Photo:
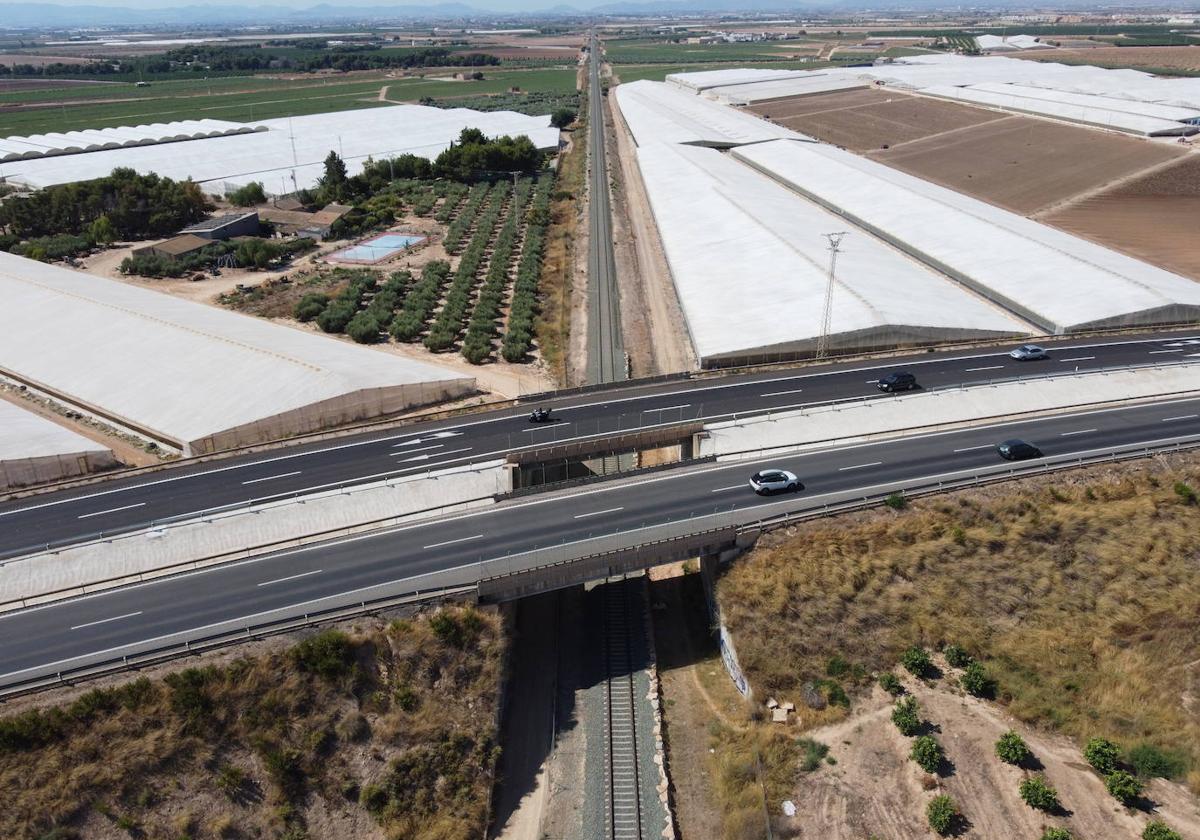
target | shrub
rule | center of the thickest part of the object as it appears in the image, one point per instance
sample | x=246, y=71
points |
x=813, y=753
x=310, y=306
x=1012, y=749
x=916, y=661
x=1036, y=793
x=1186, y=494
x=230, y=780
x=942, y=814
x=1158, y=830
x=1102, y=754
x=956, y=656
x=562, y=117
x=373, y=798
x=890, y=683
x=1124, y=787
x=896, y=501
x=837, y=667
x=1053, y=833
x=1150, y=762
x=363, y=328
x=906, y=716
x=329, y=654
x=927, y=753
x=976, y=681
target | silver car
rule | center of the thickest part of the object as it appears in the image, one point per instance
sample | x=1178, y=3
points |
x=774, y=481
x=1029, y=353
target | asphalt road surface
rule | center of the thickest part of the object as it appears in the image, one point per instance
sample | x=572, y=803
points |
x=606, y=348
x=120, y=505
x=519, y=534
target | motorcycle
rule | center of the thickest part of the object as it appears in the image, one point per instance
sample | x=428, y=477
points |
x=539, y=415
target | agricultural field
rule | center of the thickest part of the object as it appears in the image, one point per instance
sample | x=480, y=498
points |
x=1153, y=218
x=655, y=52
x=866, y=119
x=228, y=99
x=658, y=72
x=369, y=730
x=911, y=638
x=1166, y=61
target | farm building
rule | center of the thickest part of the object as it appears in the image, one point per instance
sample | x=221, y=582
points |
x=34, y=449
x=287, y=154
x=189, y=375
x=225, y=227
x=173, y=248
x=1049, y=278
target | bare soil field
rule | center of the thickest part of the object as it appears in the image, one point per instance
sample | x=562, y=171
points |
x=862, y=120
x=1156, y=218
x=12, y=85
x=38, y=60
x=1025, y=164
x=1176, y=58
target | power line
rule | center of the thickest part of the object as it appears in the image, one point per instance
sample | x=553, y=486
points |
x=835, y=243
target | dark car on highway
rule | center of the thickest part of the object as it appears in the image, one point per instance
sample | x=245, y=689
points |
x=900, y=380
x=1018, y=450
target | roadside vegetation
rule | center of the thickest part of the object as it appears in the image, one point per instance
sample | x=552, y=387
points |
x=391, y=726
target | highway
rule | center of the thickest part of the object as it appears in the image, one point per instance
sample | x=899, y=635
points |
x=528, y=533
x=124, y=504
x=605, y=346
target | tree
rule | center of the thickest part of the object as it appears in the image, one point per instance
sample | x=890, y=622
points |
x=927, y=753
x=310, y=306
x=1012, y=749
x=562, y=117
x=1037, y=793
x=956, y=656
x=1054, y=833
x=1124, y=787
x=334, y=180
x=256, y=253
x=248, y=195
x=906, y=716
x=101, y=231
x=976, y=681
x=1102, y=754
x=942, y=813
x=1158, y=830
x=916, y=661
x=890, y=683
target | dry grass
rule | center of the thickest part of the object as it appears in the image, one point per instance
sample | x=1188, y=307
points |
x=1078, y=593
x=279, y=745
x=554, y=323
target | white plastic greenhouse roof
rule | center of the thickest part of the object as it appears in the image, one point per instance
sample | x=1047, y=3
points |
x=183, y=370
x=1090, y=116
x=1057, y=281
x=661, y=113
x=1009, y=42
x=922, y=71
x=290, y=154
x=92, y=140
x=749, y=262
x=1087, y=100
x=781, y=88
x=29, y=435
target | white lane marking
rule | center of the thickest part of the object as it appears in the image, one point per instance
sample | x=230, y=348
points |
x=446, y=434
x=730, y=487
x=272, y=477
x=1078, y=432
x=860, y=466
x=452, y=542
x=106, y=620
x=1077, y=359
x=668, y=408
x=289, y=577
x=989, y=367
x=598, y=512
x=973, y=448
x=872, y=381
x=1152, y=352
x=429, y=455
x=418, y=449
x=1180, y=417
x=781, y=393
x=110, y=510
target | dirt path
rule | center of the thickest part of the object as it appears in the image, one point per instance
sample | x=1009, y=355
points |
x=656, y=332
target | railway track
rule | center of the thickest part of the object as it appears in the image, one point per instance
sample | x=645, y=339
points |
x=624, y=817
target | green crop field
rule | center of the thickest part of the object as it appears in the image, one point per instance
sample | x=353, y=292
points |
x=641, y=52
x=658, y=72
x=167, y=102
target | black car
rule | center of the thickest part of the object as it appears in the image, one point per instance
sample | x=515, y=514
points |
x=1018, y=450
x=899, y=380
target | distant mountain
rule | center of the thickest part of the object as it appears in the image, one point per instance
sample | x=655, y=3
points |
x=51, y=15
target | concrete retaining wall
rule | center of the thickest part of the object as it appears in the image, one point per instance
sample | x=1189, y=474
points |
x=856, y=421
x=234, y=534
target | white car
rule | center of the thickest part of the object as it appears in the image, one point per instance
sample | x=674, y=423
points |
x=774, y=481
x=1029, y=353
